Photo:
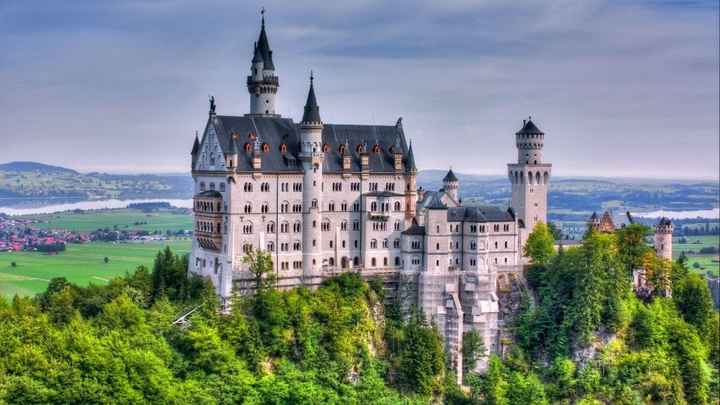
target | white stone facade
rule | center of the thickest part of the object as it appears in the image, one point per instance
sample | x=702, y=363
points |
x=323, y=199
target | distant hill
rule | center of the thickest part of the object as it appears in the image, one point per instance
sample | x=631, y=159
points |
x=32, y=181
x=34, y=167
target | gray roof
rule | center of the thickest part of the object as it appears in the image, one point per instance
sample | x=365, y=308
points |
x=450, y=177
x=436, y=203
x=276, y=131
x=414, y=229
x=196, y=145
x=264, y=47
x=530, y=128
x=312, y=110
x=664, y=221
x=410, y=163
x=482, y=213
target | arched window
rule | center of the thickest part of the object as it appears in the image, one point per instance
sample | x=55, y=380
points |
x=537, y=177
x=397, y=206
x=283, y=148
x=222, y=186
x=248, y=207
x=341, y=149
x=360, y=148
x=373, y=206
x=270, y=227
x=356, y=261
x=376, y=148
x=326, y=148
x=373, y=244
x=373, y=263
x=397, y=261
x=265, y=148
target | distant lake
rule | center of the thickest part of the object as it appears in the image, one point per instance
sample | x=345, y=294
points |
x=91, y=205
x=691, y=214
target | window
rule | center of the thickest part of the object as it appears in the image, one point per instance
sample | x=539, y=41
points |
x=356, y=207
x=248, y=208
x=212, y=186
x=343, y=206
x=355, y=243
x=337, y=187
x=343, y=226
x=473, y=245
x=415, y=244
x=397, y=225
x=356, y=226
x=202, y=186
x=284, y=207
x=270, y=247
x=373, y=244
x=296, y=227
x=385, y=243
x=397, y=261
x=373, y=186
x=396, y=243
x=265, y=187
x=297, y=207
x=284, y=246
x=314, y=203
x=506, y=227
x=354, y=186
x=325, y=226
x=373, y=206
x=506, y=244
x=264, y=208
x=284, y=227
x=296, y=245
x=297, y=187
x=437, y=246
x=331, y=206
x=385, y=261
x=330, y=244
x=389, y=186
x=397, y=206
x=247, y=187
x=496, y=245
x=373, y=263
x=222, y=186
x=270, y=227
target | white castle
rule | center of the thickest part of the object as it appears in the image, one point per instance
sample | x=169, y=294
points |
x=323, y=199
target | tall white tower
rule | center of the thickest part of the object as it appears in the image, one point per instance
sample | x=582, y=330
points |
x=663, y=238
x=262, y=83
x=311, y=155
x=530, y=178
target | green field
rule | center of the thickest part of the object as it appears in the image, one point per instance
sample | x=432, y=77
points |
x=81, y=264
x=120, y=219
x=706, y=263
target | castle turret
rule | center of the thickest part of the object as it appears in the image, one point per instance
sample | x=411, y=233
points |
x=451, y=184
x=530, y=178
x=411, y=194
x=262, y=83
x=663, y=238
x=311, y=154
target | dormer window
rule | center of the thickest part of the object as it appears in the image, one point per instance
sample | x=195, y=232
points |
x=360, y=149
x=283, y=148
x=252, y=136
x=247, y=147
x=376, y=148
x=265, y=148
x=326, y=148
x=341, y=149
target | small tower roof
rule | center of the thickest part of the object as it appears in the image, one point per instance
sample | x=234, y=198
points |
x=263, y=46
x=664, y=221
x=410, y=164
x=196, y=145
x=450, y=177
x=312, y=110
x=529, y=128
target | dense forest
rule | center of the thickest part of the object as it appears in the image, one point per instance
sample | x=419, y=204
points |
x=581, y=336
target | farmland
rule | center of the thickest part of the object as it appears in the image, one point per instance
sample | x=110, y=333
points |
x=702, y=263
x=80, y=263
x=119, y=219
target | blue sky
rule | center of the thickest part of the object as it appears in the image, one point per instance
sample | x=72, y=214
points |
x=621, y=88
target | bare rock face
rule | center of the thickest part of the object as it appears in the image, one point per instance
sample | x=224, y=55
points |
x=583, y=355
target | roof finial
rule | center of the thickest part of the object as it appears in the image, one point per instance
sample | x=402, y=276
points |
x=262, y=14
x=212, y=105
x=312, y=77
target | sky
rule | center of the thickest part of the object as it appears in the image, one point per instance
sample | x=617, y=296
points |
x=621, y=88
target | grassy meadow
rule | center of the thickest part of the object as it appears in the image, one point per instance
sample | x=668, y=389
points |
x=706, y=263
x=81, y=264
x=120, y=219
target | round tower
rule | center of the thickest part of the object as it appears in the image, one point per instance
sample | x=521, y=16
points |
x=663, y=238
x=262, y=83
x=530, y=178
x=311, y=155
x=451, y=184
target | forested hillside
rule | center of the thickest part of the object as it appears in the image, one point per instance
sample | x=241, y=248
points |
x=580, y=336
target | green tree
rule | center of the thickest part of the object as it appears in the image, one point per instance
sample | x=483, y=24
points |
x=261, y=266
x=473, y=349
x=422, y=359
x=540, y=244
x=694, y=301
x=632, y=247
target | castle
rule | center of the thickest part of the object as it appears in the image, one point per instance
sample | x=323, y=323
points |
x=325, y=198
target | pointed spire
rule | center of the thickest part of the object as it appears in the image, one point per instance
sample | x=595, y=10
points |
x=312, y=110
x=410, y=164
x=450, y=177
x=257, y=56
x=263, y=46
x=196, y=145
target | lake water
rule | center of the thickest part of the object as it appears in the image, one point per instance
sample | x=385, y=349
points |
x=91, y=205
x=692, y=214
